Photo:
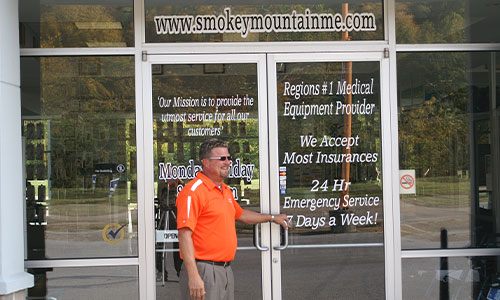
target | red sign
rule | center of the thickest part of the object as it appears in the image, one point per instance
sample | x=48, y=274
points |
x=407, y=181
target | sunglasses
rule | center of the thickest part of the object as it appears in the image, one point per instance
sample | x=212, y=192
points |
x=221, y=158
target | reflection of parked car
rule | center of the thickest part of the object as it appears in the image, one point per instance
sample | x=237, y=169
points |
x=166, y=219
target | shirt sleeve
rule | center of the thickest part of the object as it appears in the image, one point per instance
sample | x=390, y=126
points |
x=237, y=210
x=188, y=208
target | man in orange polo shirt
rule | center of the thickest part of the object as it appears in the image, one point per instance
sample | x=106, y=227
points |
x=206, y=214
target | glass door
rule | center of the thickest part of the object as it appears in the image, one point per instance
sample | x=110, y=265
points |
x=327, y=174
x=194, y=98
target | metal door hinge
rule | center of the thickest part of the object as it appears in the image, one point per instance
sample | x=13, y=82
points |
x=144, y=56
x=386, y=53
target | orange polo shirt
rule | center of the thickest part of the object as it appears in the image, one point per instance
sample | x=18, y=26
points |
x=210, y=213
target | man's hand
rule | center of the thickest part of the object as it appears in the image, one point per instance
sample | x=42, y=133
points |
x=251, y=217
x=196, y=287
x=282, y=220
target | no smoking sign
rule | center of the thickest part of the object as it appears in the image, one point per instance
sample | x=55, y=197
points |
x=407, y=182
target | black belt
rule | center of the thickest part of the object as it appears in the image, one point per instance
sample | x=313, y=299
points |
x=216, y=263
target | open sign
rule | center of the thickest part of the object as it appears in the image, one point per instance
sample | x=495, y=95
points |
x=167, y=236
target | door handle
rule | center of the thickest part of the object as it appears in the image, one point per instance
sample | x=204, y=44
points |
x=256, y=238
x=285, y=245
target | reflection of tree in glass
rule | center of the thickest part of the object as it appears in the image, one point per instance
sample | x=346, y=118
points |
x=86, y=26
x=433, y=129
x=431, y=21
x=90, y=114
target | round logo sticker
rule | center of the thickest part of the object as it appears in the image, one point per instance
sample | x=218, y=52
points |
x=113, y=233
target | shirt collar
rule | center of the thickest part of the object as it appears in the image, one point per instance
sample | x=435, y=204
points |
x=209, y=183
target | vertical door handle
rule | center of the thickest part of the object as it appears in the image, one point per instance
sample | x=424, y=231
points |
x=285, y=245
x=256, y=238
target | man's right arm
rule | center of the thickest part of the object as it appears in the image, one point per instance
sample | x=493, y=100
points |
x=196, y=286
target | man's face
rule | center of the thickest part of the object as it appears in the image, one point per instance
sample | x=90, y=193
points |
x=214, y=168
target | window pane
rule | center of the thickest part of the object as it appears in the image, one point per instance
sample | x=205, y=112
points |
x=447, y=21
x=262, y=21
x=80, y=156
x=60, y=24
x=457, y=277
x=120, y=283
x=448, y=136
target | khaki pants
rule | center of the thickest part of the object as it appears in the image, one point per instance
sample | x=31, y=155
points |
x=218, y=280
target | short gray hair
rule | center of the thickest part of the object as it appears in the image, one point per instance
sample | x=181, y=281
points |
x=207, y=146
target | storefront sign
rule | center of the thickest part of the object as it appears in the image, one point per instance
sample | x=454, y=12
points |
x=329, y=126
x=214, y=102
x=168, y=171
x=167, y=236
x=244, y=24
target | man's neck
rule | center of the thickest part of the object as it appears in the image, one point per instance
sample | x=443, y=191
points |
x=217, y=183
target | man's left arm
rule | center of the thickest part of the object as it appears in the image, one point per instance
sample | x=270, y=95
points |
x=251, y=217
